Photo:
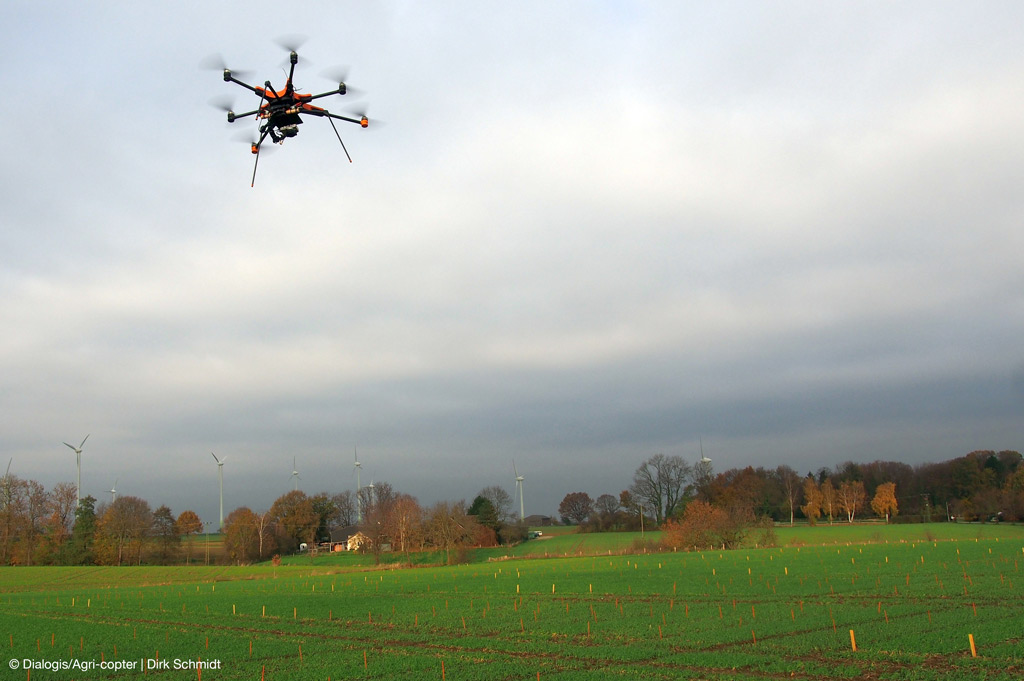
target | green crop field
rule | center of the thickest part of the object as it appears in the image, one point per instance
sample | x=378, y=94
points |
x=779, y=613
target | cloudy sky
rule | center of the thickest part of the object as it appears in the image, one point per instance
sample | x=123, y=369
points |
x=584, y=233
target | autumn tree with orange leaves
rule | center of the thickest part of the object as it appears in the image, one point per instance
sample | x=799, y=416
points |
x=884, y=501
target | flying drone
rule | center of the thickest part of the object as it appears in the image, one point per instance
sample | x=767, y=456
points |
x=279, y=112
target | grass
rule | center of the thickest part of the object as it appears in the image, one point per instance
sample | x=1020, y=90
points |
x=746, y=614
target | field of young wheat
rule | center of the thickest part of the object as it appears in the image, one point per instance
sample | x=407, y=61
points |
x=886, y=609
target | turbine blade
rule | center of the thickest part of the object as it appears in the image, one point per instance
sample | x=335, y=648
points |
x=72, y=446
x=215, y=457
x=83, y=441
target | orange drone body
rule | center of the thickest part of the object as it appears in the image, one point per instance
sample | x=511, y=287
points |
x=279, y=111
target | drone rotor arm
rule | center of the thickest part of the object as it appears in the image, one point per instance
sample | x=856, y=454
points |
x=317, y=111
x=244, y=115
x=289, y=88
x=340, y=90
x=231, y=79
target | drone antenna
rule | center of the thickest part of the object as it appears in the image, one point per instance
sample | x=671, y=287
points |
x=255, y=165
x=339, y=139
x=258, y=145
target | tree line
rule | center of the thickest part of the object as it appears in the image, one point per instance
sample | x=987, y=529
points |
x=982, y=485
x=44, y=527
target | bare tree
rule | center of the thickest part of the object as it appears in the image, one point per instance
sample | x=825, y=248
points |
x=12, y=508
x=344, y=509
x=377, y=504
x=122, y=529
x=241, y=539
x=789, y=480
x=661, y=485
x=404, y=522
x=851, y=497
x=262, y=522
x=448, y=527
x=37, y=504
x=188, y=524
x=501, y=501
x=607, y=507
x=166, y=534
x=63, y=500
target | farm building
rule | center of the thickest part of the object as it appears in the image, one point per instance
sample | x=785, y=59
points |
x=358, y=542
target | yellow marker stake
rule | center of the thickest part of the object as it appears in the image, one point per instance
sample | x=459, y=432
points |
x=974, y=651
x=853, y=641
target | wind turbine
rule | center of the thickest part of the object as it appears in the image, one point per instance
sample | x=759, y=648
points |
x=359, y=504
x=113, y=492
x=295, y=474
x=702, y=472
x=78, y=455
x=519, y=488
x=220, y=475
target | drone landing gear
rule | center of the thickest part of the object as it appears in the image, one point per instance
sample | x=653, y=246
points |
x=256, y=146
x=339, y=139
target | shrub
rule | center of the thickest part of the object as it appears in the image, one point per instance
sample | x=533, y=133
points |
x=702, y=526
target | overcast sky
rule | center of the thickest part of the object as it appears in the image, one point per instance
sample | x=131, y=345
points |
x=585, y=233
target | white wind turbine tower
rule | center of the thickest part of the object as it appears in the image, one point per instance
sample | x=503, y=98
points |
x=519, y=489
x=295, y=475
x=702, y=472
x=359, y=505
x=113, y=492
x=220, y=475
x=78, y=455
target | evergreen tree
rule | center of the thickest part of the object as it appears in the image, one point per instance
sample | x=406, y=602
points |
x=166, y=534
x=84, y=533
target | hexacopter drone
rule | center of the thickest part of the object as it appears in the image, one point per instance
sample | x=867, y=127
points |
x=279, y=110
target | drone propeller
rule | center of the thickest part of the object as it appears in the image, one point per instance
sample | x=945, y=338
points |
x=224, y=103
x=361, y=112
x=338, y=74
x=250, y=139
x=291, y=42
x=215, y=62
